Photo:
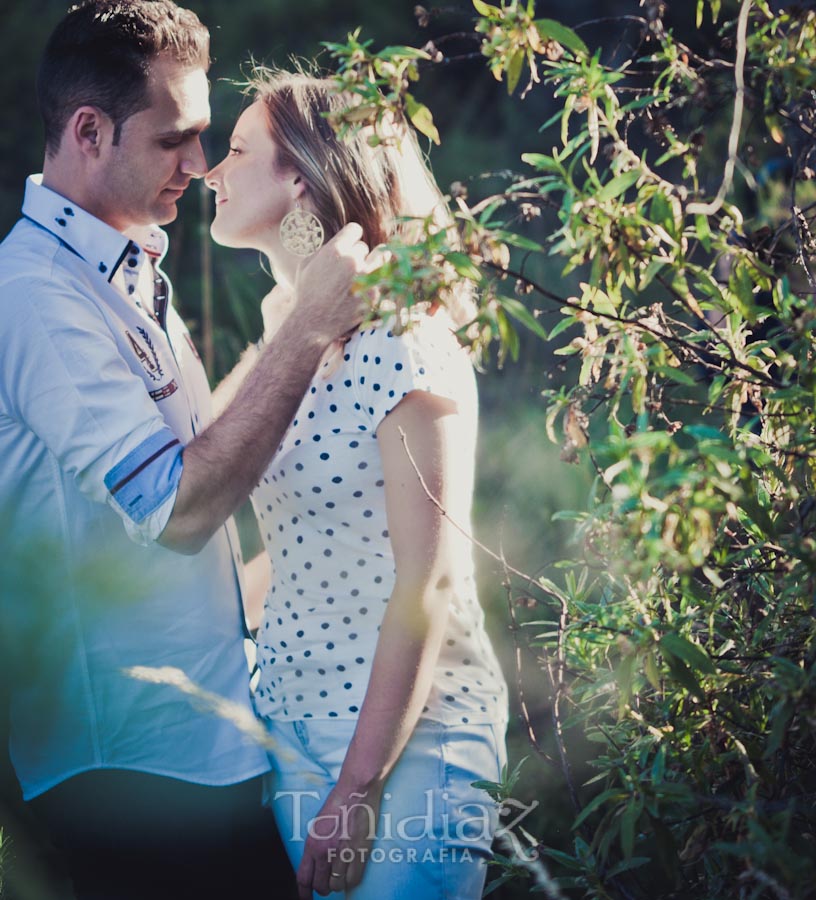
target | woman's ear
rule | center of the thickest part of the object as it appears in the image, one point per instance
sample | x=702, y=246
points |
x=298, y=187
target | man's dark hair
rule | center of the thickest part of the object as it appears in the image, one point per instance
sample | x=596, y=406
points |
x=100, y=55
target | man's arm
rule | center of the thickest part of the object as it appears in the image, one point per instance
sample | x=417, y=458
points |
x=275, y=307
x=224, y=463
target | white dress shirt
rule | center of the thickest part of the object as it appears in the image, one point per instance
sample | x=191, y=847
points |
x=100, y=389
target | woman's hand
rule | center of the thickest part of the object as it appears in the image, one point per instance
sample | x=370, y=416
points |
x=275, y=308
x=339, y=841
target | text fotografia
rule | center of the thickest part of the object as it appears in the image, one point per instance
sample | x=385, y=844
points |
x=472, y=822
x=400, y=854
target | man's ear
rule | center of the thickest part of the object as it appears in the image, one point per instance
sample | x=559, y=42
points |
x=89, y=129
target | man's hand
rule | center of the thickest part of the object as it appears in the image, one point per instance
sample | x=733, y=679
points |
x=224, y=462
x=339, y=842
x=323, y=299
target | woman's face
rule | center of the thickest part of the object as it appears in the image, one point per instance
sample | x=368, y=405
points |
x=251, y=196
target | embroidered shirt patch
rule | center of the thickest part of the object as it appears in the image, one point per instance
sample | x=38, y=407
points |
x=164, y=392
x=146, y=355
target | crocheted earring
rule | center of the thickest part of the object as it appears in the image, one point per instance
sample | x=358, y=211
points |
x=301, y=232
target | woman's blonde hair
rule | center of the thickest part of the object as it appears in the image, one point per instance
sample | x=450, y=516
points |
x=387, y=189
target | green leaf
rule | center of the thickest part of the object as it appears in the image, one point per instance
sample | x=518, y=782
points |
x=569, y=862
x=514, y=66
x=651, y=671
x=542, y=162
x=617, y=186
x=464, y=266
x=671, y=373
x=759, y=515
x=403, y=52
x=491, y=787
x=498, y=882
x=421, y=117
x=625, y=678
x=555, y=31
x=652, y=269
x=486, y=10
x=603, y=797
x=703, y=433
x=683, y=675
x=716, y=388
x=666, y=848
x=661, y=211
x=509, y=779
x=517, y=240
x=659, y=765
x=563, y=325
x=703, y=231
x=690, y=653
x=627, y=864
x=508, y=337
x=521, y=314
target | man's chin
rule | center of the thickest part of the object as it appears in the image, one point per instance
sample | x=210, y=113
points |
x=165, y=213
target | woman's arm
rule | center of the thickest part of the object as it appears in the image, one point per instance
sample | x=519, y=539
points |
x=411, y=632
x=257, y=578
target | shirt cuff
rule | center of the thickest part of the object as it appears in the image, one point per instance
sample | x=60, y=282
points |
x=142, y=487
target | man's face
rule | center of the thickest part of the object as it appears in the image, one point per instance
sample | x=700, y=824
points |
x=159, y=151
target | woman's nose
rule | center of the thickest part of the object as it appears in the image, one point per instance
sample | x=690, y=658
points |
x=213, y=177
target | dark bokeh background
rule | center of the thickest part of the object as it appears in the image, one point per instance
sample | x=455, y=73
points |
x=522, y=481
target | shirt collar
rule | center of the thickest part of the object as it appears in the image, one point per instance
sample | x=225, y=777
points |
x=98, y=244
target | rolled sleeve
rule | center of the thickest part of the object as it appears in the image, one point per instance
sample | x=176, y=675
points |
x=143, y=485
x=65, y=378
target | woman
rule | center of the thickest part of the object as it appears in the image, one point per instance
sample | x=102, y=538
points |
x=378, y=682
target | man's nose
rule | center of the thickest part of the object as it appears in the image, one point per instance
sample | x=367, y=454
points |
x=194, y=163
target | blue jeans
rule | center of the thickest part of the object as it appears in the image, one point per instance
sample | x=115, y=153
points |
x=434, y=831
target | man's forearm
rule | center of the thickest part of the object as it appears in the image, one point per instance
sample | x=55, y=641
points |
x=226, y=461
x=230, y=384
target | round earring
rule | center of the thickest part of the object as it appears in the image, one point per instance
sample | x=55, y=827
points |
x=301, y=232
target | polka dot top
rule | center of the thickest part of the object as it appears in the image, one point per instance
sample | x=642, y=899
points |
x=321, y=510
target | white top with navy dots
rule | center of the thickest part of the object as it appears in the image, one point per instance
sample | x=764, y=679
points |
x=321, y=509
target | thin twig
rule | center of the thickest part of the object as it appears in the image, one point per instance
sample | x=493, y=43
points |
x=532, y=736
x=800, y=224
x=557, y=685
x=463, y=531
x=709, y=209
x=797, y=122
x=556, y=713
x=695, y=350
x=605, y=19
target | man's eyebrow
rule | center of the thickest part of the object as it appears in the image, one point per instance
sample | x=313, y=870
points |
x=187, y=132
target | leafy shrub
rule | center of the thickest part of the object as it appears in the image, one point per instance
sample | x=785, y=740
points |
x=680, y=639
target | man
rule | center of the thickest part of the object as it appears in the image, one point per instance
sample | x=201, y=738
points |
x=110, y=469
